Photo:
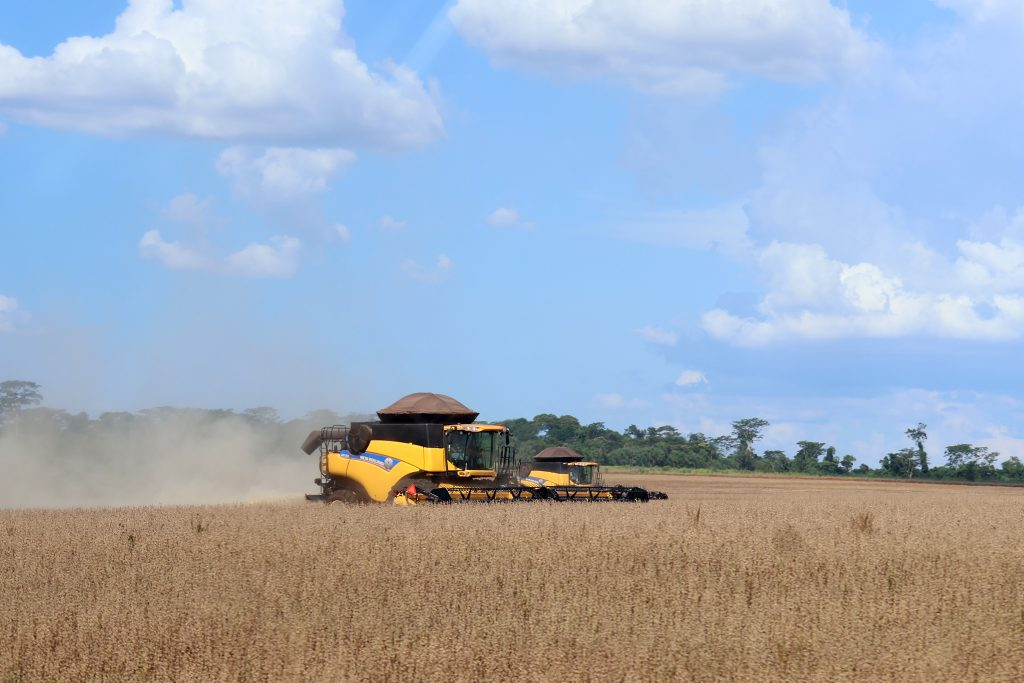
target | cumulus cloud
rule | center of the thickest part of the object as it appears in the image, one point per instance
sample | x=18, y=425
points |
x=423, y=273
x=389, y=223
x=616, y=401
x=8, y=311
x=610, y=401
x=281, y=173
x=173, y=255
x=889, y=167
x=689, y=378
x=277, y=259
x=343, y=233
x=986, y=10
x=812, y=296
x=865, y=223
x=674, y=46
x=719, y=228
x=656, y=335
x=269, y=71
x=285, y=184
x=507, y=218
x=188, y=209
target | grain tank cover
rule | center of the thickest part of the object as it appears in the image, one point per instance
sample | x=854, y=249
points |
x=427, y=407
x=558, y=454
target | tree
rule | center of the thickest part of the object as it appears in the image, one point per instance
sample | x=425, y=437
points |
x=745, y=433
x=971, y=462
x=749, y=430
x=806, y=459
x=264, y=415
x=903, y=463
x=1013, y=468
x=964, y=453
x=634, y=432
x=847, y=464
x=15, y=396
x=723, y=445
x=775, y=461
x=668, y=432
x=919, y=436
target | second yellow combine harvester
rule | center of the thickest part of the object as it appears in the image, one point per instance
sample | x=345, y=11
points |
x=427, y=448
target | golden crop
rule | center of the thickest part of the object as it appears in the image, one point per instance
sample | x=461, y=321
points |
x=730, y=579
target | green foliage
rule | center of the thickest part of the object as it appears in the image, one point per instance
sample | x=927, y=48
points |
x=1013, y=469
x=774, y=461
x=806, y=459
x=902, y=464
x=16, y=396
x=918, y=435
x=973, y=463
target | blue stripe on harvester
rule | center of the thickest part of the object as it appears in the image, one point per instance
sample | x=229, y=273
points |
x=384, y=462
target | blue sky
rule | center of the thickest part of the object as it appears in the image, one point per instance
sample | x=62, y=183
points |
x=641, y=212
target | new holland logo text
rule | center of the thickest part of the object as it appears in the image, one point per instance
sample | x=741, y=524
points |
x=382, y=461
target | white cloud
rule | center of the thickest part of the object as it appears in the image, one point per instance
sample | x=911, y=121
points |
x=610, y=401
x=722, y=229
x=277, y=259
x=507, y=218
x=986, y=10
x=173, y=255
x=8, y=311
x=689, y=378
x=280, y=173
x=656, y=335
x=390, y=223
x=999, y=440
x=188, y=209
x=987, y=266
x=668, y=46
x=3, y=128
x=267, y=71
x=812, y=296
x=427, y=274
x=343, y=233
x=616, y=401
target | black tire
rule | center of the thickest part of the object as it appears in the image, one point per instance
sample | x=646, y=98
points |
x=349, y=493
x=637, y=495
x=544, y=493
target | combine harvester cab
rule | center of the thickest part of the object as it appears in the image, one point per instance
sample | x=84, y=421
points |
x=573, y=477
x=427, y=448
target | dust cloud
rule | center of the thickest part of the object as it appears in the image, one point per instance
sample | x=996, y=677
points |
x=155, y=457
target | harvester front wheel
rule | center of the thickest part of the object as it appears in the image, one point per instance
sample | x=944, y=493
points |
x=349, y=494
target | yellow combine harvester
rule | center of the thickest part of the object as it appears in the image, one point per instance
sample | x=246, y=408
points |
x=561, y=467
x=427, y=448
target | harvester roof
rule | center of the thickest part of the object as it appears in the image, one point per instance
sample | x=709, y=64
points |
x=558, y=454
x=427, y=407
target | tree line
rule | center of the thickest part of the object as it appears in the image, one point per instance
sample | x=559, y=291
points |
x=666, y=446
x=663, y=446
